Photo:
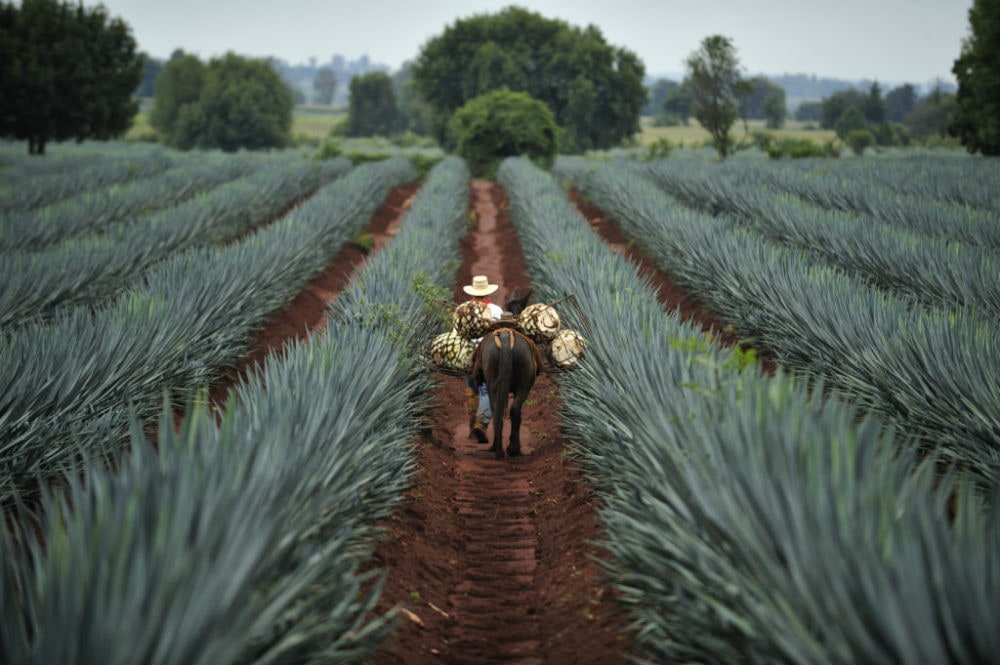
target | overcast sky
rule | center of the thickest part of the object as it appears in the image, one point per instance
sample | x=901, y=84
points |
x=892, y=41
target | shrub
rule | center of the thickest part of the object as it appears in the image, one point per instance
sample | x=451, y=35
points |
x=658, y=149
x=328, y=150
x=667, y=120
x=501, y=124
x=859, y=139
x=796, y=149
x=891, y=134
x=423, y=164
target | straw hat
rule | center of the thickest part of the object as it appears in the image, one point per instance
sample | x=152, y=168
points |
x=480, y=286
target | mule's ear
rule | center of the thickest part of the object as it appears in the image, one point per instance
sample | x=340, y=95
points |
x=528, y=295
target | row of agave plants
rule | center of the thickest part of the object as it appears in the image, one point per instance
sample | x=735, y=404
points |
x=29, y=182
x=950, y=259
x=250, y=540
x=96, y=267
x=860, y=191
x=752, y=518
x=70, y=383
x=933, y=370
x=92, y=211
x=888, y=186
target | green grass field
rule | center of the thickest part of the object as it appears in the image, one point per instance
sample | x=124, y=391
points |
x=309, y=124
x=694, y=135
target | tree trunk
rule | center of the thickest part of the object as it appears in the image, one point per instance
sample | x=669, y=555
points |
x=36, y=145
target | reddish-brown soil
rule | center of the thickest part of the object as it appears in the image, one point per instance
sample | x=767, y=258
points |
x=489, y=561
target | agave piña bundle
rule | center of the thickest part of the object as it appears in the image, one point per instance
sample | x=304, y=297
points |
x=471, y=319
x=566, y=348
x=540, y=322
x=452, y=351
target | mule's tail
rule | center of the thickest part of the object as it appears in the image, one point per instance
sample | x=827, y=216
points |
x=504, y=339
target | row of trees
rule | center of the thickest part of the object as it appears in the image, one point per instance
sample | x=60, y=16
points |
x=69, y=72
x=892, y=119
x=716, y=94
x=858, y=118
x=759, y=98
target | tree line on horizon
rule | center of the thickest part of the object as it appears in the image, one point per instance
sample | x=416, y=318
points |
x=596, y=92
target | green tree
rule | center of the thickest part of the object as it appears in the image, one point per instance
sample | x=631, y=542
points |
x=178, y=86
x=66, y=72
x=775, y=111
x=679, y=102
x=150, y=72
x=851, y=120
x=415, y=114
x=760, y=90
x=231, y=103
x=808, y=111
x=502, y=124
x=595, y=91
x=325, y=85
x=834, y=106
x=899, y=102
x=493, y=67
x=657, y=95
x=874, y=106
x=976, y=122
x=717, y=86
x=932, y=116
x=372, y=108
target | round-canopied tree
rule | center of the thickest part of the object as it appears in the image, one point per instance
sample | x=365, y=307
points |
x=178, y=85
x=372, y=108
x=231, y=103
x=502, y=124
x=594, y=91
x=66, y=72
x=976, y=122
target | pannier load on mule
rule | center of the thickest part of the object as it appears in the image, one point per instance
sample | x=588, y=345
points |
x=505, y=354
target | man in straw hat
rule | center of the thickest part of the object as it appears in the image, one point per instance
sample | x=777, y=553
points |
x=477, y=398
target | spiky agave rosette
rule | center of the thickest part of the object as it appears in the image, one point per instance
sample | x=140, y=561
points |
x=471, y=319
x=452, y=351
x=540, y=322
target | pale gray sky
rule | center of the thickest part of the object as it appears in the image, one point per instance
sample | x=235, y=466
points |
x=892, y=41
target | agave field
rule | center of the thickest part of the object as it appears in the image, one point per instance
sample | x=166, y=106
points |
x=841, y=509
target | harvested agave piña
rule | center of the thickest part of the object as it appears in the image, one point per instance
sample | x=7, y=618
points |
x=471, y=319
x=566, y=348
x=452, y=351
x=540, y=322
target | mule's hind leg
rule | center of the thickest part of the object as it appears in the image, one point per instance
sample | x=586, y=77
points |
x=497, y=446
x=499, y=407
x=514, y=449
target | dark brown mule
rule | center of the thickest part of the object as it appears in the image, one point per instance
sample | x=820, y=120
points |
x=508, y=362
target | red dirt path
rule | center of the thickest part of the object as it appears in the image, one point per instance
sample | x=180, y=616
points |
x=491, y=561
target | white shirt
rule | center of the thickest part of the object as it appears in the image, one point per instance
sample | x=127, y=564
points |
x=496, y=313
